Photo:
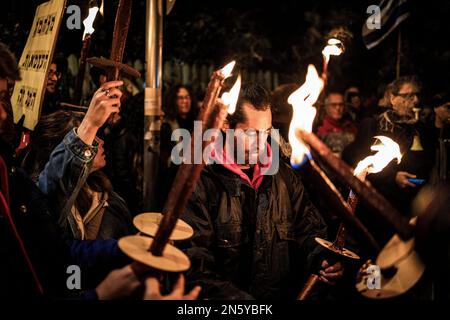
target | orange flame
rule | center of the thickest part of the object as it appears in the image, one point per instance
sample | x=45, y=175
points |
x=226, y=71
x=230, y=98
x=89, y=21
x=387, y=150
x=302, y=101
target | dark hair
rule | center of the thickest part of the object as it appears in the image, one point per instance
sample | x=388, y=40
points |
x=170, y=105
x=329, y=93
x=95, y=74
x=397, y=84
x=254, y=94
x=440, y=99
x=8, y=64
x=48, y=133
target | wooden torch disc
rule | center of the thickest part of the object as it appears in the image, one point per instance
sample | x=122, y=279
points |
x=329, y=245
x=148, y=224
x=395, y=250
x=399, y=257
x=137, y=248
x=408, y=271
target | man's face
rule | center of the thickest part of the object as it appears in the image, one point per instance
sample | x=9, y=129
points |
x=405, y=100
x=335, y=106
x=256, y=128
x=443, y=113
x=53, y=77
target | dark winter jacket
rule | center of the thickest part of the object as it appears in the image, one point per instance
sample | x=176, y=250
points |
x=251, y=243
x=49, y=254
x=414, y=161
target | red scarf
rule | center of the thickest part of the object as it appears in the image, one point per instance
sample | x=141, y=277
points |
x=259, y=170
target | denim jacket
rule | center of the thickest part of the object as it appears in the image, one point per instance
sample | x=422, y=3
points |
x=63, y=177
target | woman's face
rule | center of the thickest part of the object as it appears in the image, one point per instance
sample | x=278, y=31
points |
x=183, y=102
x=99, y=160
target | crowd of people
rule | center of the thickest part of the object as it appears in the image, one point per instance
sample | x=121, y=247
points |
x=73, y=190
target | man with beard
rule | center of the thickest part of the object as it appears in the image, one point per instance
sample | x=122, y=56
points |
x=399, y=183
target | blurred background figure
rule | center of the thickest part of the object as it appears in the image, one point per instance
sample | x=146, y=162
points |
x=433, y=236
x=353, y=102
x=441, y=124
x=57, y=89
x=181, y=110
x=337, y=129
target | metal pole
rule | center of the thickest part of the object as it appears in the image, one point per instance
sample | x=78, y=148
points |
x=152, y=104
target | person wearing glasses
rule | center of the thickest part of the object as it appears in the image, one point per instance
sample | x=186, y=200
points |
x=399, y=183
x=337, y=129
x=180, y=111
x=52, y=96
x=253, y=232
x=35, y=255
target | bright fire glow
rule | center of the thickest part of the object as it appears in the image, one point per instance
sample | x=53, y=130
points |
x=226, y=71
x=387, y=150
x=89, y=21
x=332, y=49
x=230, y=98
x=102, y=7
x=302, y=101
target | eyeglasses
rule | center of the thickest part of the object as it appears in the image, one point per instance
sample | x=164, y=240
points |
x=408, y=95
x=52, y=73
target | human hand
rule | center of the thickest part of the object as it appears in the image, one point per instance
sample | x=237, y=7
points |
x=119, y=283
x=330, y=274
x=401, y=178
x=106, y=100
x=152, y=291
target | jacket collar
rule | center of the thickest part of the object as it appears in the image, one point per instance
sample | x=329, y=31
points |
x=259, y=170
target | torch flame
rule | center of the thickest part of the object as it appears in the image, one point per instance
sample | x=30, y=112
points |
x=386, y=152
x=332, y=49
x=102, y=7
x=302, y=101
x=89, y=21
x=226, y=71
x=230, y=98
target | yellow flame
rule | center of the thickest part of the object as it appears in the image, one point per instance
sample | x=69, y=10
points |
x=302, y=101
x=332, y=49
x=230, y=98
x=89, y=21
x=387, y=150
x=226, y=71
x=102, y=8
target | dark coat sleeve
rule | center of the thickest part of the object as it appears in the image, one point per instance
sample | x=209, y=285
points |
x=308, y=222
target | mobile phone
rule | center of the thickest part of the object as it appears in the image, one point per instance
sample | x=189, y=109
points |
x=417, y=181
